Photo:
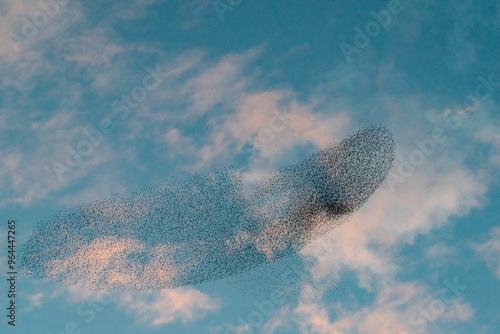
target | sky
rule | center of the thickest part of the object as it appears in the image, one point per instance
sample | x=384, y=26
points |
x=103, y=98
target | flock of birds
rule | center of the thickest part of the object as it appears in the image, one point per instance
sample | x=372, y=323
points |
x=207, y=226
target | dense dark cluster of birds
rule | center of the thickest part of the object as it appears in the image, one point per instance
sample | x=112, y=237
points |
x=207, y=227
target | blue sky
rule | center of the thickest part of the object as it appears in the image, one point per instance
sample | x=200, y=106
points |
x=422, y=256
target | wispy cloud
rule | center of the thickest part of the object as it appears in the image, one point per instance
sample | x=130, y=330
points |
x=34, y=301
x=368, y=246
x=489, y=251
x=167, y=306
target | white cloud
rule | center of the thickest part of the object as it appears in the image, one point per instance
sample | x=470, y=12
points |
x=19, y=18
x=93, y=48
x=365, y=243
x=150, y=308
x=220, y=83
x=34, y=301
x=440, y=253
x=490, y=134
x=167, y=306
x=274, y=123
x=393, y=311
x=369, y=242
x=489, y=251
x=27, y=172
